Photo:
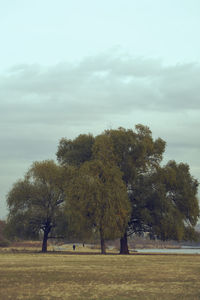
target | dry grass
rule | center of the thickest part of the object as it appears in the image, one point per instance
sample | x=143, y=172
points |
x=61, y=276
x=35, y=246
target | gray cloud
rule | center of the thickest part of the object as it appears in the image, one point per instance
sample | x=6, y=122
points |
x=39, y=105
x=97, y=85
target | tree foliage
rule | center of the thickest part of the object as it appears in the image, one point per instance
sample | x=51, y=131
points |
x=137, y=155
x=176, y=190
x=112, y=184
x=98, y=197
x=99, y=201
x=3, y=241
x=36, y=202
x=165, y=203
x=75, y=152
x=163, y=199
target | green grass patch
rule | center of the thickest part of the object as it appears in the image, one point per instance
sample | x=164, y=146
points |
x=61, y=276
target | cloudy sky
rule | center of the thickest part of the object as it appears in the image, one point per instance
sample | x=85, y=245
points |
x=70, y=67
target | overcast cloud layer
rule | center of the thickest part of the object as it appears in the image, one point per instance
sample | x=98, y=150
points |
x=39, y=105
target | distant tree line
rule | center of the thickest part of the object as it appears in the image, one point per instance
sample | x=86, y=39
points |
x=112, y=186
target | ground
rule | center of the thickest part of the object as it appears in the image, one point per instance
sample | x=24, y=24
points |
x=38, y=276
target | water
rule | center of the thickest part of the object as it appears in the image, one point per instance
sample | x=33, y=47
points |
x=183, y=250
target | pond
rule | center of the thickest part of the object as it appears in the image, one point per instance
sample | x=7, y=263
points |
x=182, y=250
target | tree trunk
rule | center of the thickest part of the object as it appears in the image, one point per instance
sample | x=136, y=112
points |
x=124, y=244
x=45, y=239
x=103, y=246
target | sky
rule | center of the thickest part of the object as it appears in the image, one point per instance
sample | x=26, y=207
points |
x=72, y=67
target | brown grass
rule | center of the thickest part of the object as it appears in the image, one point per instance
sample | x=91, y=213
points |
x=61, y=276
x=36, y=246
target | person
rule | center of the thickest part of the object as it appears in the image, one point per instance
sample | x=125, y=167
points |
x=74, y=247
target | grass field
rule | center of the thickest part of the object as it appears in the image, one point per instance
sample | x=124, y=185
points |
x=62, y=276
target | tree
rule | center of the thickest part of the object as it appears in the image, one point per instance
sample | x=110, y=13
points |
x=164, y=203
x=163, y=199
x=36, y=202
x=99, y=200
x=136, y=154
x=178, y=210
x=98, y=196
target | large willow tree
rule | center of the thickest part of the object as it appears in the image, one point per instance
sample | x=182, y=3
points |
x=98, y=200
x=97, y=197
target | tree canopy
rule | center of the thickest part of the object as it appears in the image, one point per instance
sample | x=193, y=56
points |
x=136, y=154
x=163, y=200
x=35, y=202
x=75, y=152
x=98, y=197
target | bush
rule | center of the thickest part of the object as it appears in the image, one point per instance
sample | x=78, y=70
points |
x=4, y=243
